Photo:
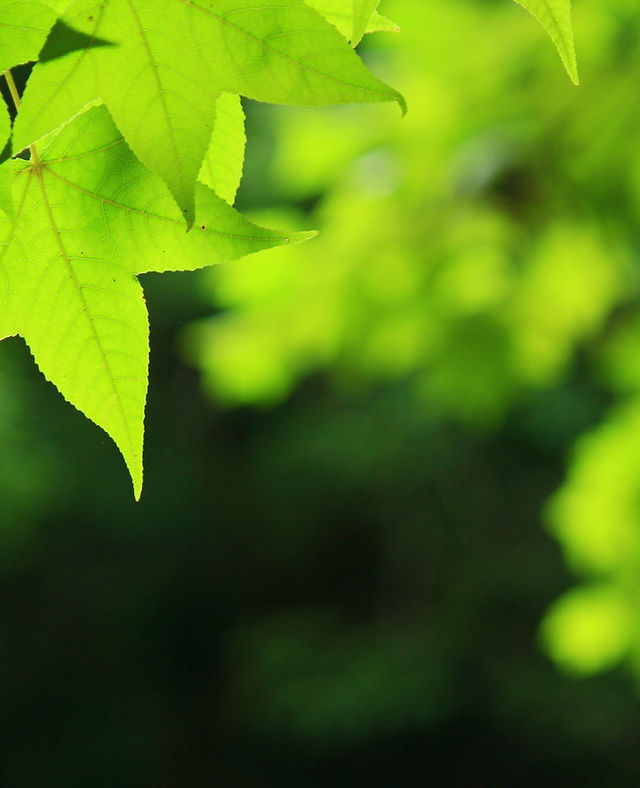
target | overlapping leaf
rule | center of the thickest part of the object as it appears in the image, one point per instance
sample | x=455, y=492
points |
x=89, y=217
x=363, y=10
x=555, y=17
x=25, y=26
x=353, y=18
x=222, y=166
x=172, y=60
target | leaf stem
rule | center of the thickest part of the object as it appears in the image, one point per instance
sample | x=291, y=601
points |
x=12, y=88
x=15, y=95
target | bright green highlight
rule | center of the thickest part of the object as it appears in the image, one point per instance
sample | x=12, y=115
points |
x=596, y=515
x=180, y=56
x=590, y=629
x=89, y=218
x=555, y=17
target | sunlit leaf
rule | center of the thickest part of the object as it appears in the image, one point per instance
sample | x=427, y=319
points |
x=24, y=28
x=555, y=17
x=222, y=166
x=180, y=56
x=362, y=12
x=354, y=18
x=89, y=218
x=381, y=24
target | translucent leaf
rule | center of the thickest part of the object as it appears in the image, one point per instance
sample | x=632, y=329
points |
x=179, y=58
x=354, y=19
x=380, y=24
x=555, y=17
x=222, y=166
x=89, y=218
x=23, y=30
x=362, y=12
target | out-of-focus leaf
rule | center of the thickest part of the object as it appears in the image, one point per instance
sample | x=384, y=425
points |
x=589, y=629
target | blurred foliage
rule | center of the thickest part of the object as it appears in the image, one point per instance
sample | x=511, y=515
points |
x=470, y=246
x=478, y=248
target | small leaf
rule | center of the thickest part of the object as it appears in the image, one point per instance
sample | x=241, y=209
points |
x=555, y=17
x=89, y=218
x=363, y=10
x=380, y=24
x=222, y=166
x=353, y=18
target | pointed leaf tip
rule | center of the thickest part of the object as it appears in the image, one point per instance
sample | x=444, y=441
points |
x=301, y=237
x=137, y=487
x=555, y=18
x=71, y=289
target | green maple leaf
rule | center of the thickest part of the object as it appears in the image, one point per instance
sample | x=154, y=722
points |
x=174, y=58
x=89, y=217
x=555, y=17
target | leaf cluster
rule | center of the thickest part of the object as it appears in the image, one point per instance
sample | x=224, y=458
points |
x=127, y=147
